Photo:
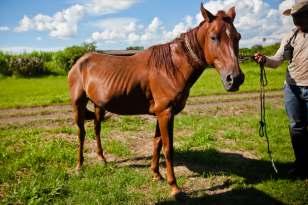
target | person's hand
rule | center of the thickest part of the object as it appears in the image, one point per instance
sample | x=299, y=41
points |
x=259, y=58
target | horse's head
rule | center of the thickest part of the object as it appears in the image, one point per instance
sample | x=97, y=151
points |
x=220, y=43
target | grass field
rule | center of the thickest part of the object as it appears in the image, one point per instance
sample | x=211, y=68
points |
x=219, y=157
x=20, y=92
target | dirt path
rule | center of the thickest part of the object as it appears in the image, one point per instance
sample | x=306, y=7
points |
x=230, y=104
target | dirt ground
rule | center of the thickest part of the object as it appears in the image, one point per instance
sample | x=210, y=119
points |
x=221, y=105
x=56, y=116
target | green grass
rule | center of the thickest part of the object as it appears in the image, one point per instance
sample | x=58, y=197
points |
x=21, y=92
x=217, y=132
x=38, y=171
x=117, y=147
x=253, y=179
x=37, y=168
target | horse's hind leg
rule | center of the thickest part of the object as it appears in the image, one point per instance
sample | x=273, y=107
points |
x=157, y=145
x=79, y=111
x=99, y=116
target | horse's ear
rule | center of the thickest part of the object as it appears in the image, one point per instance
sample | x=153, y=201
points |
x=208, y=16
x=231, y=13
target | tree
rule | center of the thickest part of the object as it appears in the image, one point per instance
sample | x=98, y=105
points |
x=66, y=58
x=138, y=48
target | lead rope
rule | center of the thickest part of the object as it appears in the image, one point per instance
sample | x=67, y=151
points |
x=263, y=127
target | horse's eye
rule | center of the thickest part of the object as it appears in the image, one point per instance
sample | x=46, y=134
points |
x=214, y=38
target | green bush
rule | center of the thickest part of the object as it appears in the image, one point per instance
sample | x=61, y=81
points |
x=45, y=56
x=53, y=68
x=66, y=58
x=41, y=63
x=4, y=65
x=26, y=66
x=266, y=50
x=270, y=50
x=138, y=48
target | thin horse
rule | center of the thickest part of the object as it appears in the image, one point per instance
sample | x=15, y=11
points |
x=155, y=81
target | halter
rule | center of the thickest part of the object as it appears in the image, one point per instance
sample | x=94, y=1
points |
x=191, y=51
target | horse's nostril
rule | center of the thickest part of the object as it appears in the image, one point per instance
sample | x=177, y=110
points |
x=229, y=78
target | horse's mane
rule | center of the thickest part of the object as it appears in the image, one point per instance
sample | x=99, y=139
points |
x=161, y=58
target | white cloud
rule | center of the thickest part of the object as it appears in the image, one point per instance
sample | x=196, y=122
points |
x=24, y=25
x=133, y=38
x=101, y=7
x=4, y=28
x=127, y=30
x=181, y=27
x=117, y=24
x=64, y=24
x=154, y=25
x=116, y=29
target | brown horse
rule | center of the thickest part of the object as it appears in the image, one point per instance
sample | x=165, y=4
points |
x=155, y=81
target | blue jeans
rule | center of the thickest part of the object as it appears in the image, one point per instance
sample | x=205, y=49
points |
x=296, y=103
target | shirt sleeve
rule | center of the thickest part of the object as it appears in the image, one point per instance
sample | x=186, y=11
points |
x=277, y=59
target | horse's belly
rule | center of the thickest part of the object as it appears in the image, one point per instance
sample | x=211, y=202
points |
x=128, y=105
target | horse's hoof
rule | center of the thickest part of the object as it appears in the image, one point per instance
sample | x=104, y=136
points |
x=102, y=159
x=157, y=177
x=180, y=196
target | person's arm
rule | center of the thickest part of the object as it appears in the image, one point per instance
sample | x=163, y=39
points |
x=277, y=59
x=272, y=61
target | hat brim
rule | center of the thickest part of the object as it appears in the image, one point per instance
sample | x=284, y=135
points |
x=287, y=12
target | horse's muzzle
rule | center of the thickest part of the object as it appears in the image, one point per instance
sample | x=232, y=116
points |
x=233, y=82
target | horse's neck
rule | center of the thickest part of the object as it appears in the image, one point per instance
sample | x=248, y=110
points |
x=195, y=76
x=194, y=53
x=187, y=72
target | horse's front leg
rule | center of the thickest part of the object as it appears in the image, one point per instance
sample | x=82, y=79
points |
x=157, y=145
x=165, y=121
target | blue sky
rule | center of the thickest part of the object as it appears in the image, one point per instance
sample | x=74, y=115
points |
x=27, y=25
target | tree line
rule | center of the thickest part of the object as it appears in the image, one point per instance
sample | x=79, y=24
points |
x=38, y=63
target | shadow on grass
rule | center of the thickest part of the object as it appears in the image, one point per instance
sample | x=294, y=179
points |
x=246, y=196
x=212, y=162
x=222, y=163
